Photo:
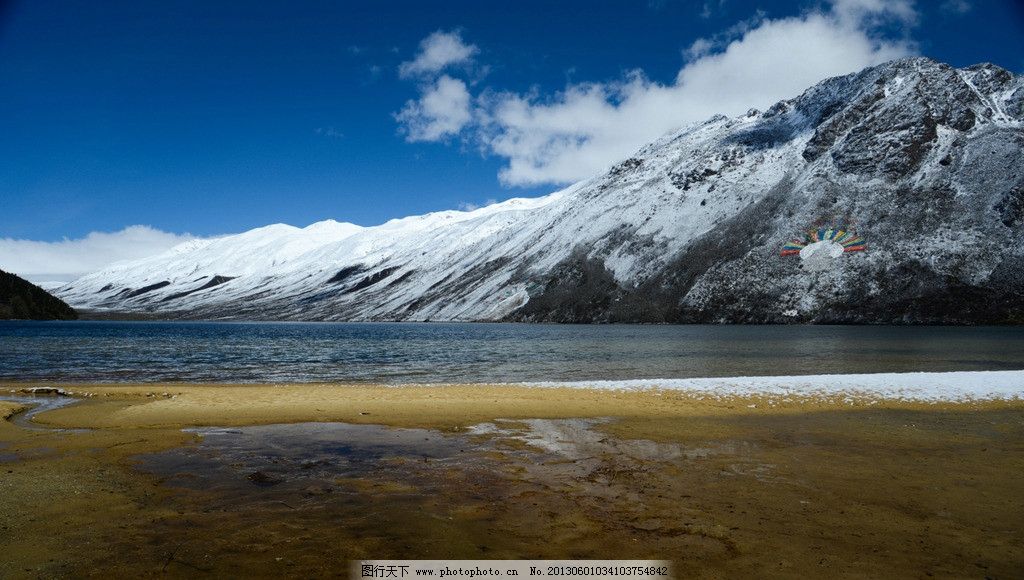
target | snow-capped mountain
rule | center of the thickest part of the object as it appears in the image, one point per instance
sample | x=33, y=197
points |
x=925, y=161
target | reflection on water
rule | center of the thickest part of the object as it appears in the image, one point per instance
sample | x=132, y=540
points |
x=430, y=353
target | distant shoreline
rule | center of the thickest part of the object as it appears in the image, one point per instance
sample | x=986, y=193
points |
x=86, y=315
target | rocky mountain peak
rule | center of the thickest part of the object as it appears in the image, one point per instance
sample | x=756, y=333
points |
x=884, y=121
x=923, y=160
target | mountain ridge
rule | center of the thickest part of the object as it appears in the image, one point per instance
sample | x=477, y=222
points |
x=922, y=158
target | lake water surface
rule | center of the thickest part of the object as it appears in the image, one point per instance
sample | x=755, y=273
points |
x=101, y=351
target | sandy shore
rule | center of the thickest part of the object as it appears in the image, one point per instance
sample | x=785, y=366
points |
x=176, y=405
x=733, y=486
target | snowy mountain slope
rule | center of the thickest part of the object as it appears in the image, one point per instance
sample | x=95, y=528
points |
x=925, y=160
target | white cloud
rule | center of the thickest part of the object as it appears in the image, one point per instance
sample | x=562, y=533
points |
x=956, y=7
x=860, y=12
x=700, y=48
x=470, y=206
x=441, y=111
x=329, y=132
x=717, y=42
x=437, y=52
x=710, y=7
x=587, y=127
x=68, y=259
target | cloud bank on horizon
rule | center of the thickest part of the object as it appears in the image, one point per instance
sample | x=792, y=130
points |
x=51, y=262
x=587, y=127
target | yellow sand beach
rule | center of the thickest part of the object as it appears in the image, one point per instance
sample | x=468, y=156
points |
x=740, y=486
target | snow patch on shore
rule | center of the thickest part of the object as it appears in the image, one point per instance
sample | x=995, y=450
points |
x=960, y=386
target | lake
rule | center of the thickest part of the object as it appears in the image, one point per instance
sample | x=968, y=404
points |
x=104, y=351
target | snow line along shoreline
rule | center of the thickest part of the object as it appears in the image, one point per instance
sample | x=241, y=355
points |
x=926, y=387
x=953, y=386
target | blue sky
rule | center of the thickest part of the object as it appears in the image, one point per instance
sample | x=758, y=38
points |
x=206, y=117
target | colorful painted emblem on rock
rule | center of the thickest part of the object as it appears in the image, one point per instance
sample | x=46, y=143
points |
x=821, y=246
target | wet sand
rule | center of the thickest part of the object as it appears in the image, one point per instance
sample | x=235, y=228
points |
x=723, y=487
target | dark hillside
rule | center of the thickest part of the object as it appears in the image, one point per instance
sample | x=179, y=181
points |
x=22, y=300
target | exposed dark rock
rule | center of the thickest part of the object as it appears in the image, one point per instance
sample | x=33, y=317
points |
x=372, y=279
x=55, y=391
x=401, y=278
x=626, y=166
x=1011, y=207
x=579, y=289
x=346, y=273
x=145, y=289
x=214, y=281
